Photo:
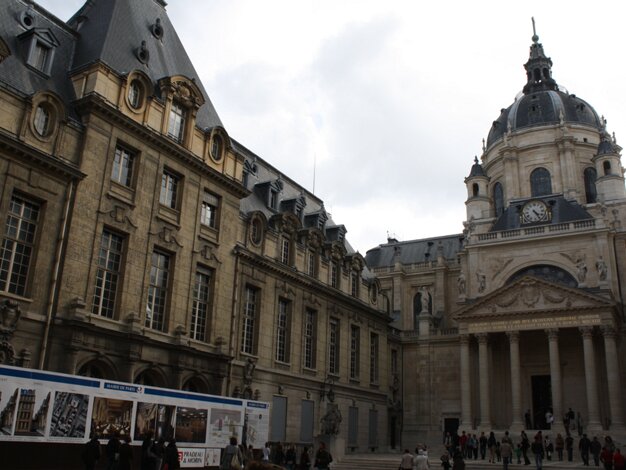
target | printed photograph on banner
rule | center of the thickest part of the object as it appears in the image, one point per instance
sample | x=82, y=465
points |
x=191, y=424
x=69, y=415
x=212, y=458
x=9, y=395
x=32, y=412
x=224, y=425
x=111, y=416
x=156, y=418
x=257, y=425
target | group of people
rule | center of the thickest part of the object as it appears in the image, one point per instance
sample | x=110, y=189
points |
x=419, y=461
x=155, y=454
x=238, y=457
x=469, y=446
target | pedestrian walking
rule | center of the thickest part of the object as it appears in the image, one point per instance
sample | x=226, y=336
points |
x=537, y=449
x=583, y=446
x=91, y=453
x=322, y=458
x=406, y=461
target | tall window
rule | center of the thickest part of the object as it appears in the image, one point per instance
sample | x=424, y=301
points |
x=273, y=199
x=355, y=351
x=122, y=171
x=310, y=332
x=176, y=123
x=354, y=284
x=310, y=263
x=217, y=148
x=284, y=250
x=334, y=274
x=394, y=361
x=249, y=320
x=590, y=184
x=107, y=274
x=157, y=291
x=282, y=331
x=18, y=245
x=373, y=358
x=498, y=199
x=169, y=187
x=210, y=204
x=333, y=346
x=201, y=304
x=540, y=182
x=606, y=166
x=42, y=120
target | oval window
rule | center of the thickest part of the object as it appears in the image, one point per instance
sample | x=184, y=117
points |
x=216, y=148
x=135, y=94
x=42, y=119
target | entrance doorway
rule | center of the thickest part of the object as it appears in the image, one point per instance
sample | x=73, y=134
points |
x=542, y=400
x=450, y=425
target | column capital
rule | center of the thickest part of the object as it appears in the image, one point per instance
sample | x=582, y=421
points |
x=586, y=331
x=553, y=334
x=608, y=331
x=464, y=339
x=483, y=338
x=513, y=336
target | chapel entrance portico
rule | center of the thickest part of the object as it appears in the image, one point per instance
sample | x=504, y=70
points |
x=531, y=338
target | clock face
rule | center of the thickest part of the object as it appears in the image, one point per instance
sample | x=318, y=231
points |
x=535, y=211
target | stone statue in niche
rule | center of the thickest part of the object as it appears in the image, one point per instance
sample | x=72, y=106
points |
x=460, y=284
x=331, y=420
x=10, y=313
x=581, y=270
x=482, y=281
x=601, y=268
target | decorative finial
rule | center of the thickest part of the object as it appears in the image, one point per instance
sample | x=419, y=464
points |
x=535, y=37
x=484, y=148
x=614, y=139
x=475, y=160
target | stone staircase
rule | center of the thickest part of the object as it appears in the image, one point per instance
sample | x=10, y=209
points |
x=392, y=462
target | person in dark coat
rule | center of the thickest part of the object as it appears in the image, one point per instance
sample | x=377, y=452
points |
x=113, y=451
x=595, y=449
x=148, y=457
x=584, y=445
x=171, y=456
x=125, y=455
x=91, y=453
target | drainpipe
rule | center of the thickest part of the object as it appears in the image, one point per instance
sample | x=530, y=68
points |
x=54, y=287
x=233, y=319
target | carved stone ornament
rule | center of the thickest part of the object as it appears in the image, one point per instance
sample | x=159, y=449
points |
x=10, y=313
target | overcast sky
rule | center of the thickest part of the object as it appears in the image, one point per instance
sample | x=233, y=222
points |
x=388, y=101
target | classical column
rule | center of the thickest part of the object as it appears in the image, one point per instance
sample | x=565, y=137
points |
x=466, y=398
x=590, y=379
x=555, y=374
x=516, y=389
x=483, y=372
x=613, y=377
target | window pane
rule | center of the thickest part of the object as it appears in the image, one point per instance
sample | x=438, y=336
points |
x=169, y=186
x=208, y=215
x=249, y=321
x=333, y=347
x=201, y=298
x=309, y=338
x=157, y=291
x=176, y=122
x=122, y=166
x=107, y=274
x=17, y=245
x=282, y=324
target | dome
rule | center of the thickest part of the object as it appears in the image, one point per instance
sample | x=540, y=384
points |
x=542, y=108
x=542, y=102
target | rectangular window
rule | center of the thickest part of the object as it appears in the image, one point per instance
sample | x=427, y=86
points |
x=374, y=358
x=311, y=271
x=273, y=199
x=310, y=338
x=157, y=291
x=355, y=351
x=18, y=245
x=249, y=320
x=208, y=215
x=334, y=275
x=201, y=304
x=176, y=123
x=333, y=346
x=169, y=187
x=284, y=250
x=108, y=274
x=122, y=171
x=354, y=284
x=282, y=331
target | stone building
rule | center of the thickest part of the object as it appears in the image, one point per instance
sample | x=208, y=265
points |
x=521, y=313
x=142, y=243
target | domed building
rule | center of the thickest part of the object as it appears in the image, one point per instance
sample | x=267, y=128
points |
x=518, y=320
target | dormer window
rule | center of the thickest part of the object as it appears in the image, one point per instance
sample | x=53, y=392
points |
x=273, y=202
x=40, y=51
x=135, y=94
x=217, y=148
x=176, y=124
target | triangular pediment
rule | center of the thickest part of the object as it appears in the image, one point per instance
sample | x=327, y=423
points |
x=530, y=294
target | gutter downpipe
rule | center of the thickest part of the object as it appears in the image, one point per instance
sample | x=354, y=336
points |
x=54, y=288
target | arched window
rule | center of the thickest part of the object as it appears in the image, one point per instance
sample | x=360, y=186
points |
x=607, y=167
x=498, y=199
x=540, y=182
x=475, y=189
x=590, y=184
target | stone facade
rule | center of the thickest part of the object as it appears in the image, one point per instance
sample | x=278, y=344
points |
x=141, y=243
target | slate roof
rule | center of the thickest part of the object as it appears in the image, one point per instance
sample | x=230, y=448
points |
x=414, y=251
x=14, y=73
x=112, y=30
